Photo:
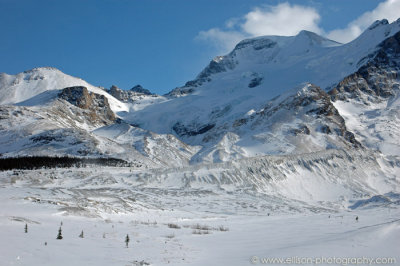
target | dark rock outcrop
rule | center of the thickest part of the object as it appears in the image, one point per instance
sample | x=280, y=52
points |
x=182, y=130
x=141, y=90
x=257, y=44
x=313, y=104
x=376, y=80
x=97, y=106
x=217, y=65
x=132, y=95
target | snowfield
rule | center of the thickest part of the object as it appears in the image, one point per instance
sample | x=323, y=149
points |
x=311, y=235
x=218, y=214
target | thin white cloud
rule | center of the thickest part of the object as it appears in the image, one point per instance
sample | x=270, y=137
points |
x=389, y=10
x=287, y=19
x=224, y=41
x=283, y=19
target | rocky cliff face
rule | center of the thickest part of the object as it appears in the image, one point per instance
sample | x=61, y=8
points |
x=369, y=98
x=313, y=106
x=377, y=80
x=139, y=89
x=301, y=120
x=97, y=106
x=131, y=96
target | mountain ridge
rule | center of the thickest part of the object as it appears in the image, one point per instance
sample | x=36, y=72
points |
x=264, y=97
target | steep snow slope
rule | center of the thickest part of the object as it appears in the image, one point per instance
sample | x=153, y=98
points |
x=60, y=128
x=369, y=99
x=42, y=81
x=164, y=150
x=55, y=130
x=233, y=110
x=300, y=120
x=258, y=70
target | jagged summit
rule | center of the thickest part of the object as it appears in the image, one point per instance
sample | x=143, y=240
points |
x=42, y=69
x=134, y=95
x=378, y=23
x=305, y=57
x=138, y=88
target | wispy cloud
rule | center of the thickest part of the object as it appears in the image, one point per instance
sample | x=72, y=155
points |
x=287, y=19
x=388, y=9
x=283, y=19
x=223, y=40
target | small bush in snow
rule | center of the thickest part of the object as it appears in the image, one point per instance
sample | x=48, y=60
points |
x=174, y=226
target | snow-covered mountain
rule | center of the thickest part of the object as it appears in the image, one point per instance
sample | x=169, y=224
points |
x=46, y=112
x=40, y=84
x=258, y=98
x=270, y=95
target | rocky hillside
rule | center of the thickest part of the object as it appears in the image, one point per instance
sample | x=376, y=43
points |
x=97, y=105
x=369, y=98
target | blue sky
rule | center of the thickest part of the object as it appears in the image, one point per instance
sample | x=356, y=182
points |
x=161, y=44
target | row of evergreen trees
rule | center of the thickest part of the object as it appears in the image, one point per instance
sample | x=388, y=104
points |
x=36, y=162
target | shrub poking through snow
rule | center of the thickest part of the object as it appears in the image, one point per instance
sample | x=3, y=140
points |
x=223, y=229
x=174, y=226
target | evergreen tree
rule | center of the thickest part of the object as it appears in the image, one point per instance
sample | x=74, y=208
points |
x=127, y=240
x=26, y=228
x=81, y=235
x=59, y=236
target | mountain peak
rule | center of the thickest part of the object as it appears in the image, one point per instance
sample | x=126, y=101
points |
x=378, y=23
x=138, y=88
x=311, y=38
x=42, y=69
x=258, y=43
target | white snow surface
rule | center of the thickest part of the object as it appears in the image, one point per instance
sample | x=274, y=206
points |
x=220, y=214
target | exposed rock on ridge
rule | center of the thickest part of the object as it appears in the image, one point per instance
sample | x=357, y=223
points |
x=97, y=105
x=375, y=80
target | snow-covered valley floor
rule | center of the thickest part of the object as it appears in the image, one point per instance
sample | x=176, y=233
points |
x=192, y=225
